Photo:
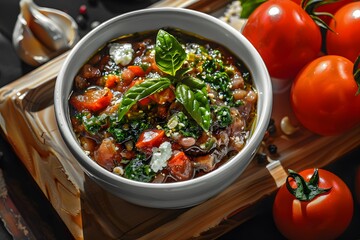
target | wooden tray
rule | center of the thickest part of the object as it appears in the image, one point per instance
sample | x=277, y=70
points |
x=27, y=121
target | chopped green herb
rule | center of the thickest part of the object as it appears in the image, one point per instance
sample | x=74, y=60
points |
x=94, y=123
x=139, y=171
x=223, y=116
x=180, y=123
x=127, y=131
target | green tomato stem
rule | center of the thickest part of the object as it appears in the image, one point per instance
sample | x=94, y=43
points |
x=311, y=5
x=305, y=191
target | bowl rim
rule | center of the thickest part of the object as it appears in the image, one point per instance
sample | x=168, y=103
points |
x=90, y=166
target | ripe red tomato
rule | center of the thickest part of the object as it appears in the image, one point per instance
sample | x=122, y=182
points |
x=285, y=36
x=326, y=216
x=331, y=8
x=345, y=41
x=323, y=96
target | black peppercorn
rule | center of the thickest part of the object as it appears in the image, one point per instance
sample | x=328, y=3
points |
x=271, y=127
x=272, y=149
x=261, y=157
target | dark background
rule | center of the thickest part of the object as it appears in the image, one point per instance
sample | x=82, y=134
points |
x=30, y=201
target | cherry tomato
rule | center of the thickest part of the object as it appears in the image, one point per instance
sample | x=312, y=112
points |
x=285, y=36
x=323, y=96
x=345, y=40
x=330, y=7
x=93, y=99
x=325, y=216
x=180, y=167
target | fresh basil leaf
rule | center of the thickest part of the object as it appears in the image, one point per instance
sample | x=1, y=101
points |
x=140, y=91
x=169, y=54
x=193, y=82
x=196, y=104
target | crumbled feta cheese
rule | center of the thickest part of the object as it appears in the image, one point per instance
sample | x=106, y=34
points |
x=160, y=156
x=121, y=53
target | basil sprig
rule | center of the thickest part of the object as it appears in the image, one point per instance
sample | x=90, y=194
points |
x=169, y=54
x=190, y=91
x=140, y=91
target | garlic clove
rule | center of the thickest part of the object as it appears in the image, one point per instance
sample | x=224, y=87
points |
x=43, y=27
x=287, y=127
x=66, y=23
x=42, y=33
x=27, y=46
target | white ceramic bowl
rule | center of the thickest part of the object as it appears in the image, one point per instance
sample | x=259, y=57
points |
x=165, y=195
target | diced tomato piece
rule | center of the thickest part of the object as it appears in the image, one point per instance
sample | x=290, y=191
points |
x=137, y=70
x=106, y=154
x=112, y=80
x=149, y=139
x=180, y=167
x=93, y=100
x=145, y=101
x=127, y=76
x=166, y=95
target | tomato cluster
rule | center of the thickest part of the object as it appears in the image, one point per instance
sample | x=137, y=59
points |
x=321, y=67
x=320, y=64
